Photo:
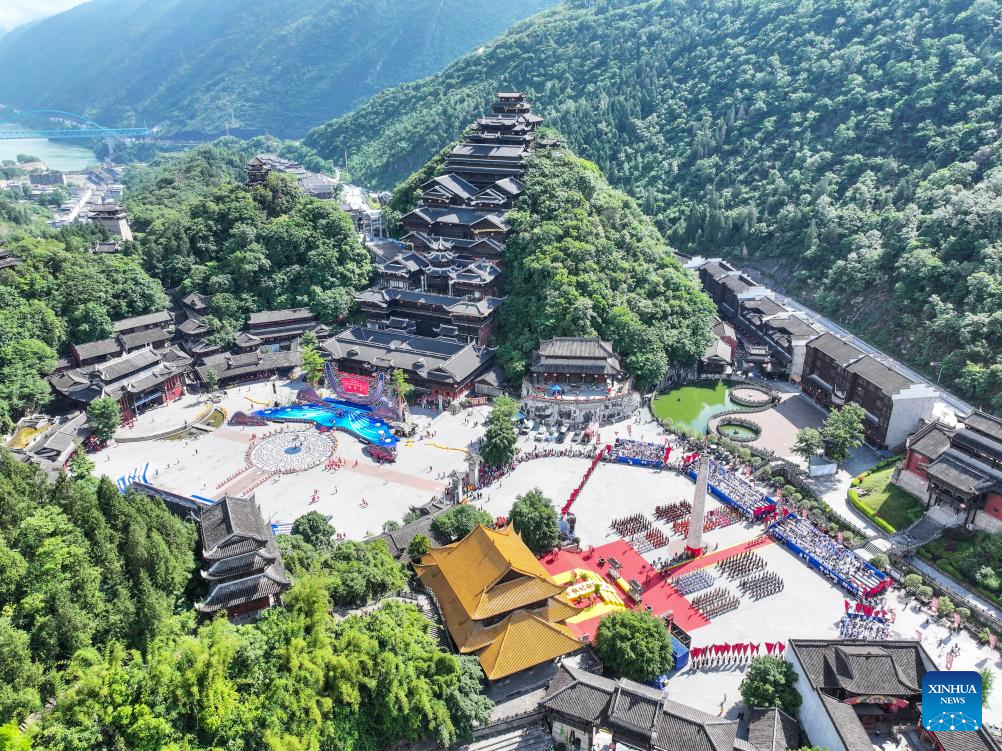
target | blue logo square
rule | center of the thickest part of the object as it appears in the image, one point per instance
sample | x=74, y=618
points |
x=951, y=700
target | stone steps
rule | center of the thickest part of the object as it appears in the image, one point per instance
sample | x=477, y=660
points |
x=530, y=738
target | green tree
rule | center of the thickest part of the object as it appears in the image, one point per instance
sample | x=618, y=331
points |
x=104, y=416
x=211, y=380
x=880, y=561
x=843, y=431
x=946, y=606
x=12, y=739
x=808, y=444
x=535, y=520
x=458, y=522
x=987, y=683
x=313, y=364
x=770, y=682
x=81, y=465
x=418, y=547
x=500, y=440
x=315, y=529
x=401, y=387
x=635, y=645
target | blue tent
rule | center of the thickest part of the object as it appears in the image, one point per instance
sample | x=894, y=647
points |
x=555, y=389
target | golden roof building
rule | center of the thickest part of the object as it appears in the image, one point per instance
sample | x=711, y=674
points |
x=498, y=602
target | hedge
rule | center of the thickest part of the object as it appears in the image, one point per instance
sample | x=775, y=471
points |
x=868, y=512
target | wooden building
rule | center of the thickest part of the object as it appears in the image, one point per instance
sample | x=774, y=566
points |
x=278, y=329
x=960, y=468
x=112, y=217
x=240, y=560
x=463, y=318
x=441, y=366
x=498, y=602
x=837, y=373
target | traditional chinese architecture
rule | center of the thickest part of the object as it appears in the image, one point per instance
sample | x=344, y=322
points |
x=577, y=380
x=138, y=380
x=586, y=711
x=240, y=560
x=851, y=688
x=959, y=468
x=314, y=184
x=151, y=330
x=429, y=314
x=278, y=329
x=498, y=602
x=113, y=218
x=255, y=365
x=440, y=366
x=837, y=373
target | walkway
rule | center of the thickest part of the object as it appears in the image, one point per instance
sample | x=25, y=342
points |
x=955, y=588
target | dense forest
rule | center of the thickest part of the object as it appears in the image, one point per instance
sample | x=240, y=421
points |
x=189, y=65
x=271, y=246
x=100, y=646
x=850, y=149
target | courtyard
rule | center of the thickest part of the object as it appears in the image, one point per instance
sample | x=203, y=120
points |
x=360, y=495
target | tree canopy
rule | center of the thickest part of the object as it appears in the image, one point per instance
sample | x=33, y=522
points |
x=847, y=152
x=535, y=520
x=769, y=682
x=634, y=644
x=843, y=431
x=458, y=522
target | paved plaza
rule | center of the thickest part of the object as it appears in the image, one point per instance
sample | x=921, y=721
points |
x=209, y=464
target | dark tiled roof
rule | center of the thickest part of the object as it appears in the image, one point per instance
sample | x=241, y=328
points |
x=100, y=348
x=452, y=184
x=196, y=300
x=280, y=316
x=932, y=440
x=985, y=424
x=456, y=215
x=572, y=346
x=228, y=365
x=886, y=378
x=966, y=740
x=230, y=594
x=142, y=338
x=232, y=526
x=958, y=473
x=840, y=351
x=847, y=725
x=132, y=363
x=764, y=305
x=126, y=324
x=192, y=327
x=773, y=730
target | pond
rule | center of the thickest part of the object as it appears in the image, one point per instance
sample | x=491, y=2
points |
x=737, y=432
x=691, y=407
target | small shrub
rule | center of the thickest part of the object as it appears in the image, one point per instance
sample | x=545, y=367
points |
x=924, y=592
x=965, y=613
x=880, y=561
x=984, y=636
x=946, y=606
x=912, y=582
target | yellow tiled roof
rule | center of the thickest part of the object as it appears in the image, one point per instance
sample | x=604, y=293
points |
x=526, y=641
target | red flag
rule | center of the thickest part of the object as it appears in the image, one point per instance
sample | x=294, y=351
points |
x=991, y=640
x=859, y=607
x=934, y=605
x=768, y=647
x=846, y=605
x=781, y=647
x=949, y=660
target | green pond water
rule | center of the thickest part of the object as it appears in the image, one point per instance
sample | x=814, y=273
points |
x=61, y=155
x=691, y=407
x=738, y=432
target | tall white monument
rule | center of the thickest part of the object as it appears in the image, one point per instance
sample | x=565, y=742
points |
x=694, y=545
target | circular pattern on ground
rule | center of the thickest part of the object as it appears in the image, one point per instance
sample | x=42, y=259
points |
x=292, y=452
x=742, y=431
x=750, y=396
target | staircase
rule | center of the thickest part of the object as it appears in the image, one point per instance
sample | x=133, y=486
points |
x=530, y=738
x=928, y=528
x=430, y=612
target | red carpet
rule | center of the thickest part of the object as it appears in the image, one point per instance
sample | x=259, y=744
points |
x=721, y=555
x=661, y=596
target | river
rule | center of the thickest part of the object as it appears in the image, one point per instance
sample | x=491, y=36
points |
x=67, y=156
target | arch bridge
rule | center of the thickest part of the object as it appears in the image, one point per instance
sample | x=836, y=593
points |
x=88, y=129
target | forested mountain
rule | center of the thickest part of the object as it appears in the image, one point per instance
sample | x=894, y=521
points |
x=278, y=66
x=851, y=147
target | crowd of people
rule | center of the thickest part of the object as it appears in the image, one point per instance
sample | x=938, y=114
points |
x=762, y=585
x=859, y=626
x=716, y=518
x=715, y=602
x=626, y=448
x=672, y=512
x=741, y=565
x=832, y=555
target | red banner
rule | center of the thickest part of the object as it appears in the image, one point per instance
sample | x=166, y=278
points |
x=356, y=385
x=934, y=605
x=949, y=660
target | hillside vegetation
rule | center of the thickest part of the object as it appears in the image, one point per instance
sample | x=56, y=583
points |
x=280, y=67
x=851, y=147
